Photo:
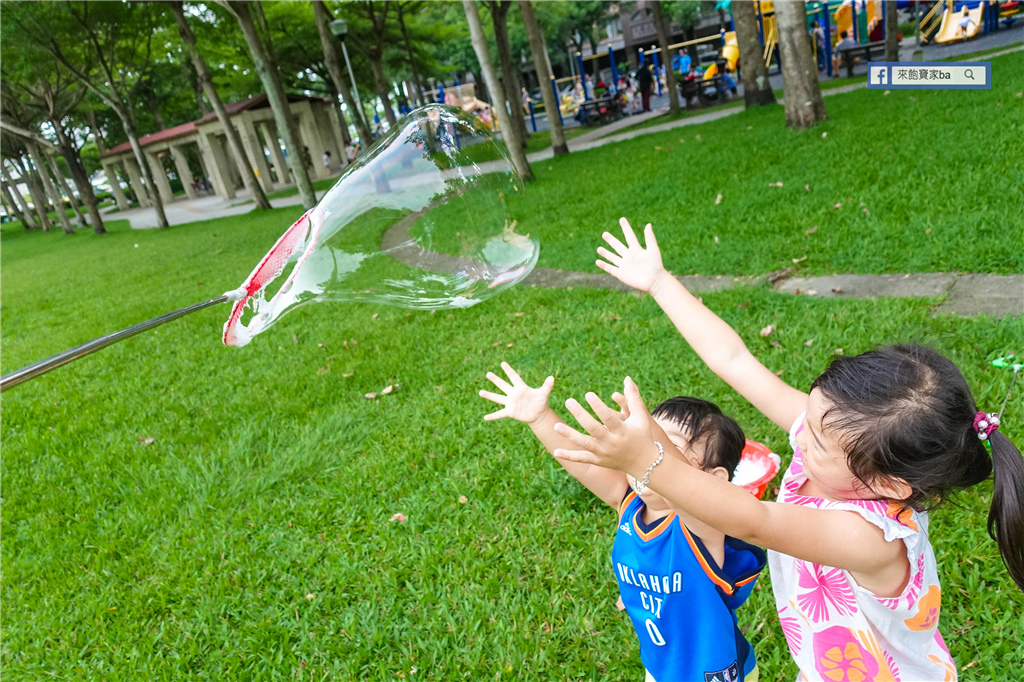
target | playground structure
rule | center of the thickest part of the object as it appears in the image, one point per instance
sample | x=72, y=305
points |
x=942, y=24
x=463, y=96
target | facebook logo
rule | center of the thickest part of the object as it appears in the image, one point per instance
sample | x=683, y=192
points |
x=879, y=75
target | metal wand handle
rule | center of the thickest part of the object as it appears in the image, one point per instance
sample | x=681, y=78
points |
x=43, y=366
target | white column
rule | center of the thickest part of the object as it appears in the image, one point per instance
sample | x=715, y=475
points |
x=184, y=172
x=280, y=165
x=156, y=168
x=135, y=177
x=217, y=164
x=115, y=186
x=310, y=135
x=254, y=149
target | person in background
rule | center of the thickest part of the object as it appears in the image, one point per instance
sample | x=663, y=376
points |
x=645, y=79
x=837, y=55
x=819, y=43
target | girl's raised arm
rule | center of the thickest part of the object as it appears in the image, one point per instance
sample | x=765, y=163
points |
x=717, y=344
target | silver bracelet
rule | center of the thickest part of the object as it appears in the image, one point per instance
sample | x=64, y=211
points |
x=640, y=486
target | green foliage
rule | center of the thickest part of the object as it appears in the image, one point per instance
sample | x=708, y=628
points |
x=250, y=538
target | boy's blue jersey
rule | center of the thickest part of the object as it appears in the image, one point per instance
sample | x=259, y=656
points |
x=681, y=603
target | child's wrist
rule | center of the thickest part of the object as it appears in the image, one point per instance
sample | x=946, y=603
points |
x=660, y=281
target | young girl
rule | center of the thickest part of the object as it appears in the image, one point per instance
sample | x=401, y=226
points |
x=679, y=579
x=879, y=436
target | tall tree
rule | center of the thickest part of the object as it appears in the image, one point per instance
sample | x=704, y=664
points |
x=373, y=47
x=509, y=69
x=271, y=79
x=543, y=66
x=512, y=139
x=63, y=188
x=28, y=218
x=410, y=8
x=892, y=30
x=15, y=202
x=115, y=49
x=329, y=43
x=800, y=91
x=39, y=161
x=39, y=203
x=206, y=82
x=666, y=58
x=757, y=89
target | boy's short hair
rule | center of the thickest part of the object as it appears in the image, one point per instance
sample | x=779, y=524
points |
x=842, y=35
x=702, y=420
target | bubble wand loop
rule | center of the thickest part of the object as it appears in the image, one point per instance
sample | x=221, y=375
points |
x=43, y=366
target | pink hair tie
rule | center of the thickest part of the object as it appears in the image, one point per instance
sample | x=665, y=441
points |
x=985, y=423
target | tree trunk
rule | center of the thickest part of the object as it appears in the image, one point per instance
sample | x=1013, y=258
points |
x=101, y=144
x=801, y=94
x=892, y=31
x=147, y=174
x=39, y=161
x=271, y=78
x=197, y=88
x=333, y=59
x=670, y=75
x=757, y=89
x=509, y=68
x=380, y=86
x=62, y=186
x=20, y=206
x=418, y=92
x=206, y=82
x=509, y=131
x=543, y=66
x=39, y=203
x=81, y=178
x=153, y=107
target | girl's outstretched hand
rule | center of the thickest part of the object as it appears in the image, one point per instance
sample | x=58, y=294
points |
x=617, y=441
x=632, y=264
x=521, y=402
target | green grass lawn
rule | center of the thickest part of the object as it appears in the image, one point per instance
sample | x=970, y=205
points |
x=905, y=182
x=537, y=142
x=174, y=509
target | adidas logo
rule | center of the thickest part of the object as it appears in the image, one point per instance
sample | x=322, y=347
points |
x=625, y=528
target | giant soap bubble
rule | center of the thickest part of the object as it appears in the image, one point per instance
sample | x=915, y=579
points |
x=415, y=222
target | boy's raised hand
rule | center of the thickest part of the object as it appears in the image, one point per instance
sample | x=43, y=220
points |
x=632, y=264
x=521, y=402
x=616, y=441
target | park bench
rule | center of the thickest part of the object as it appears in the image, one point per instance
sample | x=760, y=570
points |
x=865, y=52
x=600, y=110
x=695, y=89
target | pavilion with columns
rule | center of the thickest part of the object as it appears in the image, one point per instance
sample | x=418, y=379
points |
x=205, y=142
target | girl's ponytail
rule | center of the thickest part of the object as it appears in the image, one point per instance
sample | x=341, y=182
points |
x=1006, y=517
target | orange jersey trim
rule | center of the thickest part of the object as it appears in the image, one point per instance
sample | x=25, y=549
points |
x=625, y=503
x=708, y=570
x=656, y=531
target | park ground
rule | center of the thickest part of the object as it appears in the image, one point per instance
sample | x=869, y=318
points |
x=176, y=509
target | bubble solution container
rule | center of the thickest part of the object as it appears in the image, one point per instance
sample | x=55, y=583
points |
x=758, y=466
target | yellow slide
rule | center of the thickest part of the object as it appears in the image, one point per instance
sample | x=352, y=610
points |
x=731, y=54
x=950, y=31
x=844, y=15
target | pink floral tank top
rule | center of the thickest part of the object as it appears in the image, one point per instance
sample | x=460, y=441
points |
x=838, y=631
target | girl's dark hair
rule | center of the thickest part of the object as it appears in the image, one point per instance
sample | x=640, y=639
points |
x=906, y=412
x=700, y=419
